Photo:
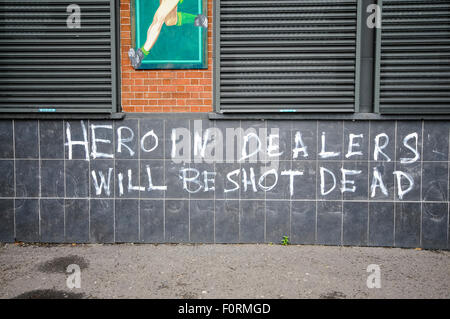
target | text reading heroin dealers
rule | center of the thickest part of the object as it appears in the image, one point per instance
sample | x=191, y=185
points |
x=235, y=145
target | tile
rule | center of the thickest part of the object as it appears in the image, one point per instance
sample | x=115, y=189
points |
x=52, y=221
x=252, y=220
x=52, y=178
x=407, y=224
x=356, y=182
x=177, y=140
x=203, y=187
x=6, y=220
x=102, y=139
x=435, y=182
x=232, y=140
x=26, y=139
x=77, y=137
x=409, y=141
x=355, y=223
x=77, y=179
x=254, y=139
x=102, y=179
x=27, y=178
x=127, y=140
x=304, y=186
x=228, y=180
x=77, y=220
x=329, y=223
x=51, y=142
x=227, y=221
x=127, y=221
x=381, y=180
x=152, y=178
x=278, y=185
x=434, y=225
x=151, y=221
x=205, y=147
x=356, y=141
x=328, y=179
x=27, y=220
x=303, y=223
x=381, y=224
x=281, y=142
x=7, y=174
x=435, y=140
x=151, y=139
x=277, y=221
x=129, y=172
x=177, y=221
x=6, y=139
x=102, y=221
x=174, y=180
x=250, y=177
x=382, y=133
x=410, y=190
x=201, y=221
x=305, y=140
x=330, y=140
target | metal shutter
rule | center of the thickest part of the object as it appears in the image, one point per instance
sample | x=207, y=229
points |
x=413, y=57
x=47, y=67
x=287, y=56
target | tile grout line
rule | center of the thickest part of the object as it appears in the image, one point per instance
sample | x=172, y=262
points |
x=65, y=181
x=164, y=179
x=317, y=171
x=395, y=169
x=89, y=180
x=368, y=186
x=139, y=177
x=15, y=182
x=40, y=176
x=421, y=186
x=342, y=194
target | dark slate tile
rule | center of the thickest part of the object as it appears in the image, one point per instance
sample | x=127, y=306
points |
x=127, y=179
x=77, y=136
x=232, y=140
x=178, y=140
x=251, y=155
x=127, y=141
x=26, y=139
x=77, y=179
x=52, y=221
x=330, y=140
x=206, y=178
x=227, y=221
x=228, y=180
x=355, y=219
x=6, y=139
x=6, y=220
x=281, y=142
x=407, y=224
x=435, y=141
x=101, y=221
x=27, y=178
x=304, y=134
x=381, y=189
x=434, y=225
x=356, y=138
x=202, y=221
x=205, y=144
x=152, y=178
x=151, y=139
x=305, y=185
x=7, y=174
x=52, y=178
x=414, y=172
x=102, y=179
x=174, y=180
x=27, y=220
x=330, y=173
x=381, y=224
x=127, y=220
x=303, y=223
x=329, y=223
x=435, y=182
x=51, y=139
x=77, y=220
x=250, y=175
x=252, y=217
x=278, y=186
x=102, y=139
x=278, y=219
x=152, y=221
x=409, y=141
x=177, y=221
x=382, y=133
x=356, y=180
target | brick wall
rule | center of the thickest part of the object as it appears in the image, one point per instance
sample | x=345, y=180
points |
x=163, y=90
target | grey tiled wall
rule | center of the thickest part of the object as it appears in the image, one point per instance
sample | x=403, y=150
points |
x=47, y=197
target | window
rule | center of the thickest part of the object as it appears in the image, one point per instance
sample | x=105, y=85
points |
x=287, y=56
x=58, y=57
